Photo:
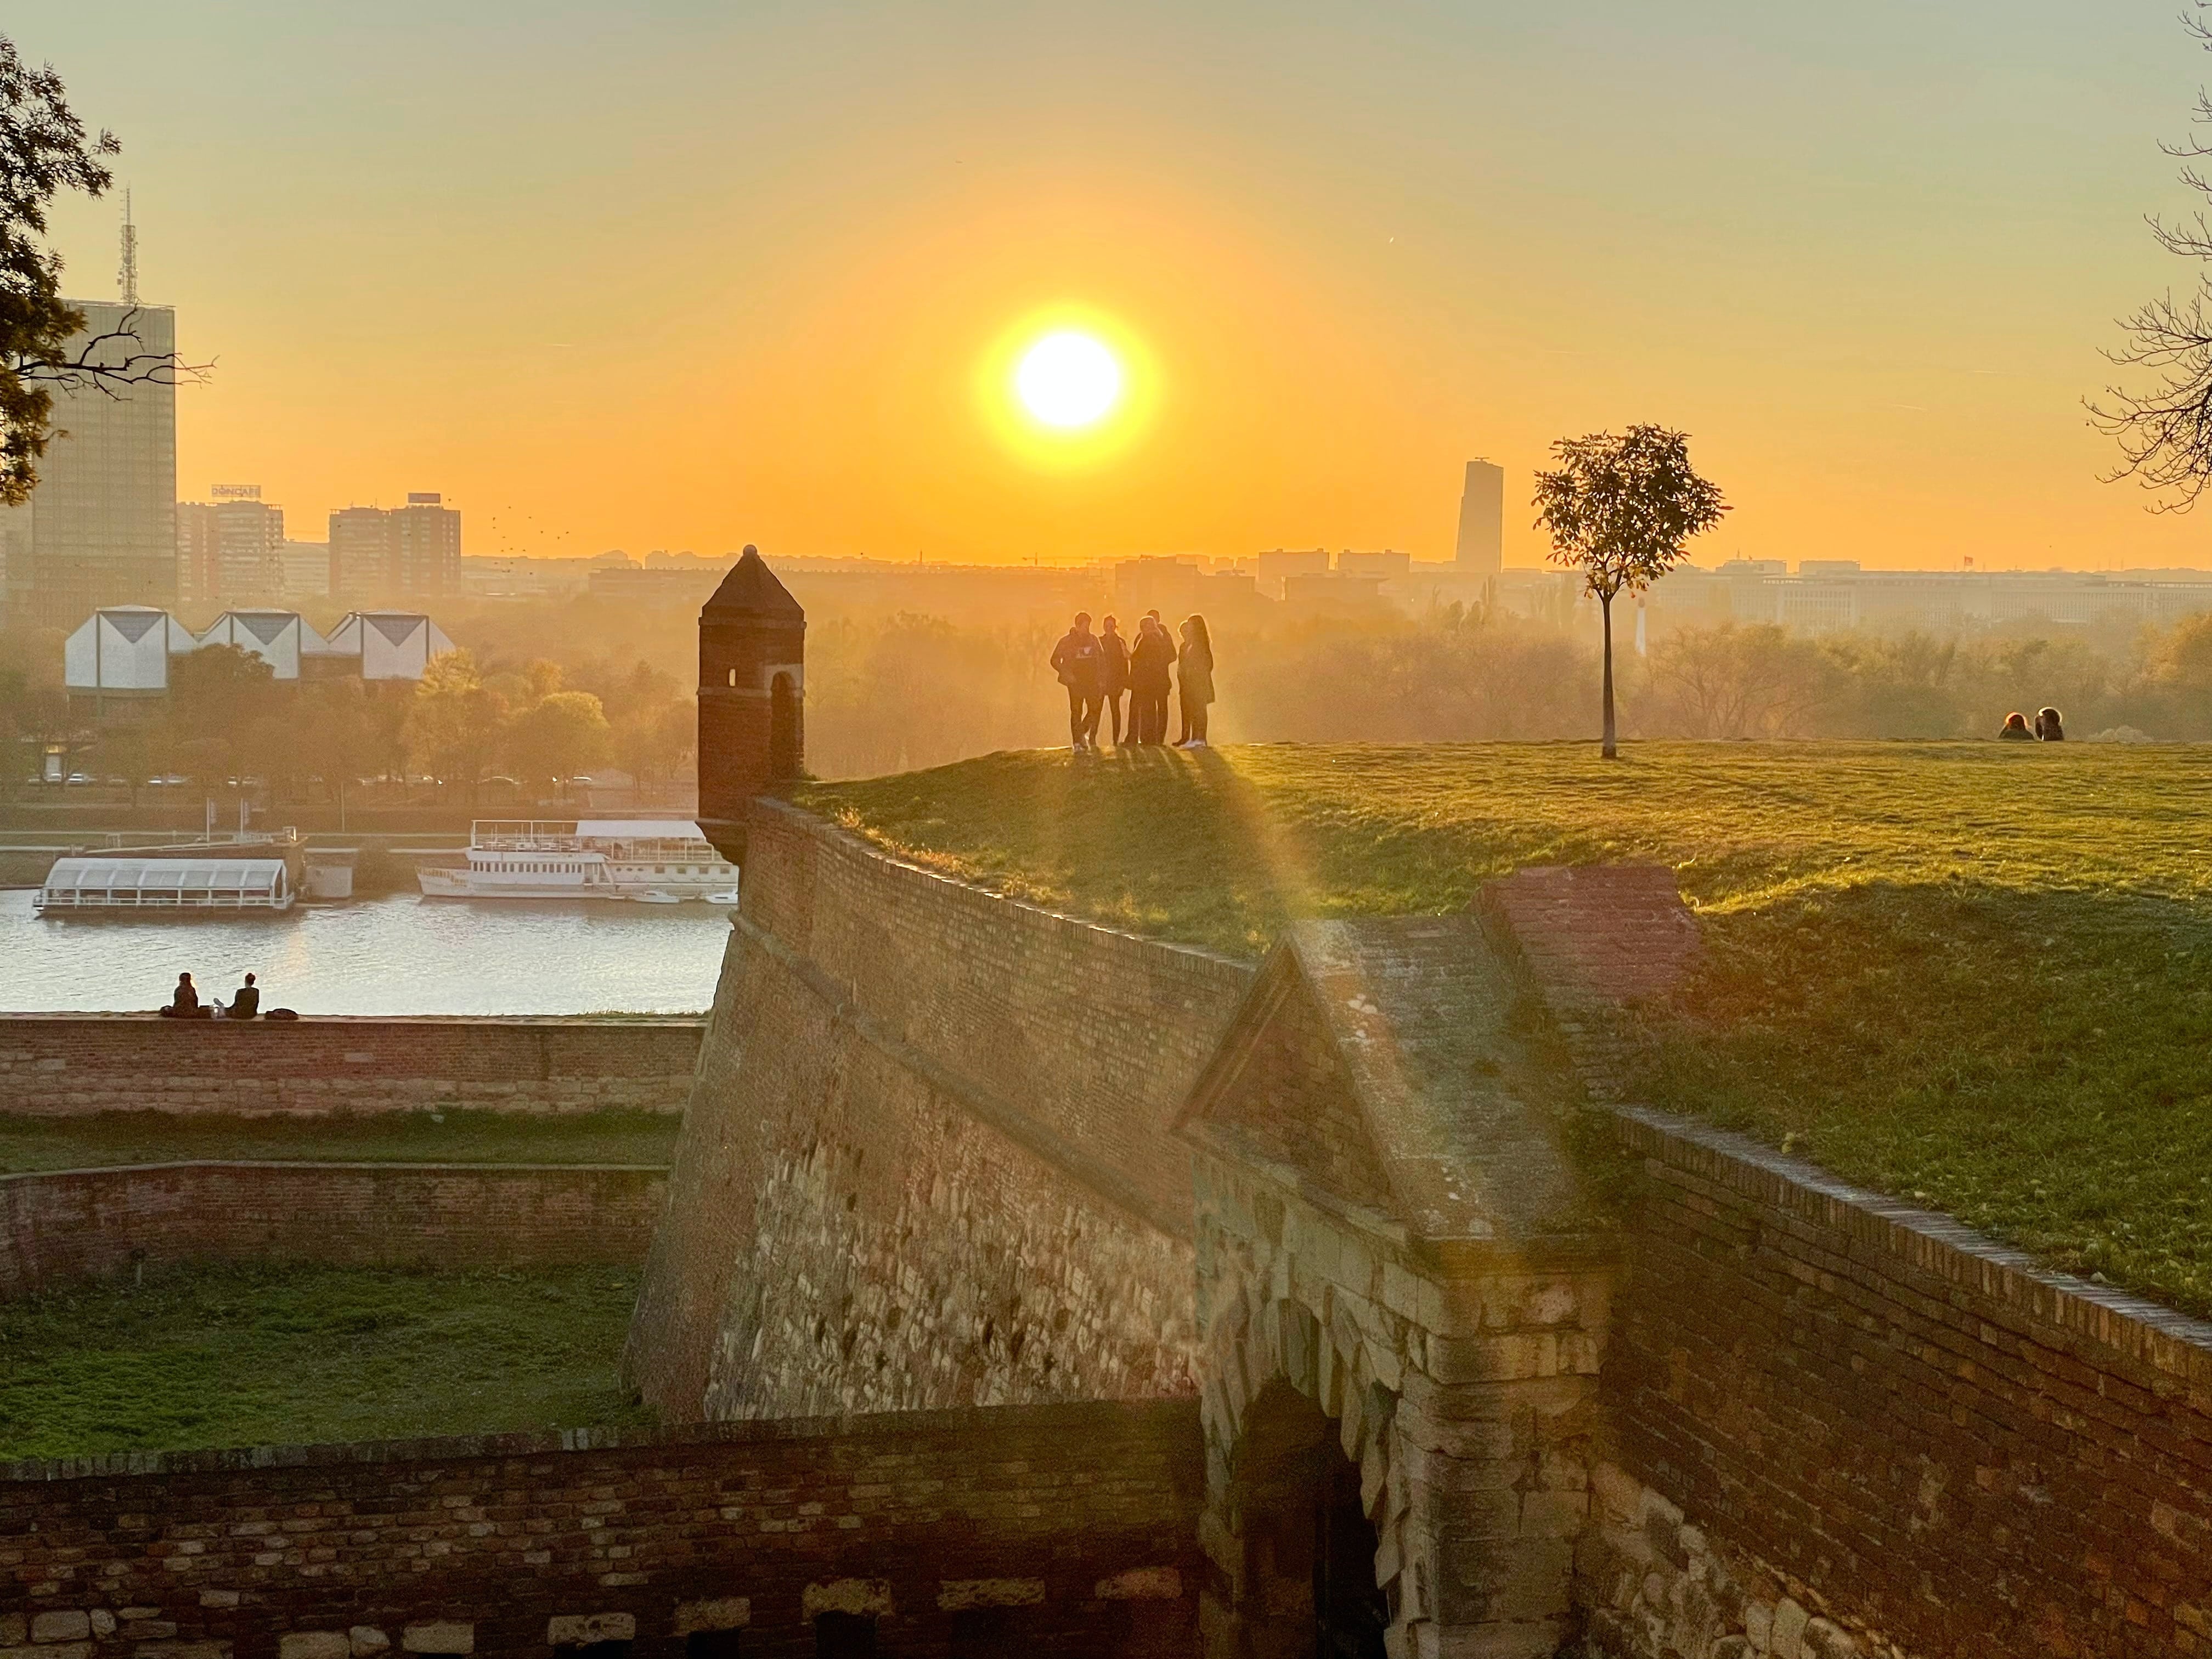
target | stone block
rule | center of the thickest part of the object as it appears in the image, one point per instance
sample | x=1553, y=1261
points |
x=439, y=1636
x=61, y=1626
x=714, y=1613
x=103, y=1622
x=1141, y=1584
x=53, y=1650
x=958, y=1595
x=366, y=1642
x=14, y=1630
x=218, y=1598
x=1825, y=1640
x=1788, y=1639
x=314, y=1645
x=854, y=1595
x=576, y=1630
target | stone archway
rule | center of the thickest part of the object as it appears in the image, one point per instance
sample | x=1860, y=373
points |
x=1302, y=1519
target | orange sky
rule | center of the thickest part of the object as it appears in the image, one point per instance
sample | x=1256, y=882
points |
x=695, y=273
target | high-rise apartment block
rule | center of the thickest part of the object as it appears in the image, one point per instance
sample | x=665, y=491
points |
x=413, y=551
x=1482, y=520
x=100, y=527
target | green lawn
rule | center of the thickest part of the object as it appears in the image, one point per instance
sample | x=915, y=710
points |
x=1972, y=974
x=449, y=1137
x=250, y=1356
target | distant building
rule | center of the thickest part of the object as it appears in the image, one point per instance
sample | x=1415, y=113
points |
x=307, y=567
x=1330, y=592
x=410, y=551
x=101, y=528
x=1388, y=563
x=122, y=653
x=199, y=552
x=657, y=584
x=1482, y=544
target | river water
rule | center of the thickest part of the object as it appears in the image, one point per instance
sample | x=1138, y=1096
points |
x=402, y=955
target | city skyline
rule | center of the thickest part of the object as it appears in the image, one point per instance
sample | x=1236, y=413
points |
x=1877, y=325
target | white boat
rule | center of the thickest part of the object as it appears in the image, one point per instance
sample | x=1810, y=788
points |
x=731, y=897
x=170, y=883
x=582, y=858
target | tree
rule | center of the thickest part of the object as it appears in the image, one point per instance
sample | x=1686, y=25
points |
x=455, y=722
x=347, y=741
x=1619, y=509
x=44, y=150
x=562, y=735
x=216, y=695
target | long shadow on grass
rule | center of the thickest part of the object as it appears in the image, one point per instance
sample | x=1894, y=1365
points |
x=2032, y=1062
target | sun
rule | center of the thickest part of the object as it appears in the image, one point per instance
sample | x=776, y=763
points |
x=1068, y=380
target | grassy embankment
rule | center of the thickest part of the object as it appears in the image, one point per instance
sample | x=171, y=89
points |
x=249, y=1356
x=1972, y=974
x=449, y=1137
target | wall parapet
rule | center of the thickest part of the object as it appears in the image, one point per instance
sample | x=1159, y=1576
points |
x=1065, y=1529
x=68, y=1064
x=72, y=1224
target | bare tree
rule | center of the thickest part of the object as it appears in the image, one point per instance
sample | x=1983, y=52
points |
x=2163, y=422
x=44, y=345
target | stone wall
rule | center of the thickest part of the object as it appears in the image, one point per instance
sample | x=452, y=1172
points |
x=1884, y=1433
x=76, y=1223
x=57, y=1065
x=927, y=1163
x=1060, y=1529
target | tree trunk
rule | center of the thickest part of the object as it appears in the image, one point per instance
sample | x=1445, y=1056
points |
x=1611, y=750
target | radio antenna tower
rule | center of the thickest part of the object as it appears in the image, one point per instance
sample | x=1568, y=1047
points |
x=128, y=275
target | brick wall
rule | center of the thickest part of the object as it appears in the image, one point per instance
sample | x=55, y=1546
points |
x=82, y=1222
x=1907, y=1431
x=928, y=1161
x=1840, y=1423
x=1060, y=1529
x=55, y=1064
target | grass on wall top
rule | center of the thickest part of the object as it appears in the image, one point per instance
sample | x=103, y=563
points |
x=1975, y=975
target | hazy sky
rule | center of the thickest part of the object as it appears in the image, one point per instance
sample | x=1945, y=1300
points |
x=689, y=275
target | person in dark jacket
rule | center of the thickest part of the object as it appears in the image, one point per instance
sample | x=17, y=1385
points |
x=1113, y=678
x=2047, y=726
x=1195, y=680
x=1080, y=666
x=2015, y=729
x=185, y=1004
x=247, y=1004
x=1151, y=656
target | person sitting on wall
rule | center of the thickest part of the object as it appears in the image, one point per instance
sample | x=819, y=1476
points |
x=247, y=1004
x=185, y=1004
x=2015, y=729
x=2047, y=726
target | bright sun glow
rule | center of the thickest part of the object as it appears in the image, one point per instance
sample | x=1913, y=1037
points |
x=1068, y=380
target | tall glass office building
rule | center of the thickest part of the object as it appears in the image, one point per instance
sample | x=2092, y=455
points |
x=101, y=528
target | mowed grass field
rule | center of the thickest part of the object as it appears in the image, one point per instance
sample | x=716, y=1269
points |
x=243, y=1356
x=1975, y=975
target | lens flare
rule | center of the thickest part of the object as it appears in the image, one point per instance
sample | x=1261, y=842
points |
x=1068, y=380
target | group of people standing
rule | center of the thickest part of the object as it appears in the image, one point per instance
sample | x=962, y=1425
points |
x=1099, y=669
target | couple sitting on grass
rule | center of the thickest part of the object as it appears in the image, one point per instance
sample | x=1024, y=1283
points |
x=1098, y=668
x=2047, y=728
x=185, y=1004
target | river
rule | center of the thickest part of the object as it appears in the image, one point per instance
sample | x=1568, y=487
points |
x=402, y=955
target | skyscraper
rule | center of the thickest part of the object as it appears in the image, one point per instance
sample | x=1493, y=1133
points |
x=101, y=528
x=1482, y=519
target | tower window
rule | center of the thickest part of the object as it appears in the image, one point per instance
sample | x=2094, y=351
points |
x=733, y=677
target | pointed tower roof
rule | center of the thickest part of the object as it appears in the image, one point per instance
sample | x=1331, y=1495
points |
x=751, y=589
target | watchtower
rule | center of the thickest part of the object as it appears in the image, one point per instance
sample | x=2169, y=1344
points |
x=752, y=684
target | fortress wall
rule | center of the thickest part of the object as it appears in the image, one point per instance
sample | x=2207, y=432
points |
x=927, y=1162
x=1066, y=1530
x=61, y=1065
x=1891, y=1424
x=79, y=1222
x=1840, y=1425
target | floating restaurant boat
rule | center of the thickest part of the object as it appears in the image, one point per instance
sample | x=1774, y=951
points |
x=657, y=860
x=174, y=885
